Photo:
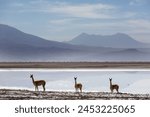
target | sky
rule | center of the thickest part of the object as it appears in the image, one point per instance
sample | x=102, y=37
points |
x=62, y=20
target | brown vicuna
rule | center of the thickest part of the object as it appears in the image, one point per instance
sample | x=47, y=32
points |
x=38, y=83
x=113, y=86
x=77, y=85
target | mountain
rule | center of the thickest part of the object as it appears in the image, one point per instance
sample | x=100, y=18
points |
x=17, y=46
x=128, y=55
x=118, y=40
x=119, y=55
x=13, y=36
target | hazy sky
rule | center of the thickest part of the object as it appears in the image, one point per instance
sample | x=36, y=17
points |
x=62, y=20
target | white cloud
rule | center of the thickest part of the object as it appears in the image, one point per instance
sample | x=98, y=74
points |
x=61, y=21
x=83, y=10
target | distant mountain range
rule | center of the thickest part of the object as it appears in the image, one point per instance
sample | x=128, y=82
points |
x=119, y=40
x=16, y=45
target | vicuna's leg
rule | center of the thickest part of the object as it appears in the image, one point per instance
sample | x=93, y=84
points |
x=111, y=90
x=43, y=87
x=81, y=89
x=37, y=88
x=117, y=89
x=76, y=90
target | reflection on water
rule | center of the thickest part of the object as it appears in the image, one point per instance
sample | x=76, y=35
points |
x=133, y=81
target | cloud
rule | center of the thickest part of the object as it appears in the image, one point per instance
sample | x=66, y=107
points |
x=64, y=9
x=83, y=10
x=68, y=10
x=137, y=2
x=61, y=21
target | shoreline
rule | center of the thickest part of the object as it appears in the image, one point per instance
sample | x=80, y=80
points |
x=76, y=65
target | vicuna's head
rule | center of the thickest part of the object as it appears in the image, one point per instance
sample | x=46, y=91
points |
x=110, y=79
x=31, y=76
x=75, y=78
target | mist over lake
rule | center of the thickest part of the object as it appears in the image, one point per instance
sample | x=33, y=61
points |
x=63, y=80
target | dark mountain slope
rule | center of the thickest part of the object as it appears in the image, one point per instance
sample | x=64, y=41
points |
x=12, y=36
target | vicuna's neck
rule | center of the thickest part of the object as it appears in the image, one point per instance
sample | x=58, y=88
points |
x=110, y=83
x=32, y=80
x=75, y=82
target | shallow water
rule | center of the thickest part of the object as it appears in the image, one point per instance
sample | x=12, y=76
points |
x=130, y=81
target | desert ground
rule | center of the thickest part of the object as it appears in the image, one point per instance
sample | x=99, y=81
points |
x=10, y=94
x=135, y=65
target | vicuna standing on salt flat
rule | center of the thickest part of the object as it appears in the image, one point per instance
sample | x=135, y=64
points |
x=77, y=85
x=38, y=83
x=113, y=86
